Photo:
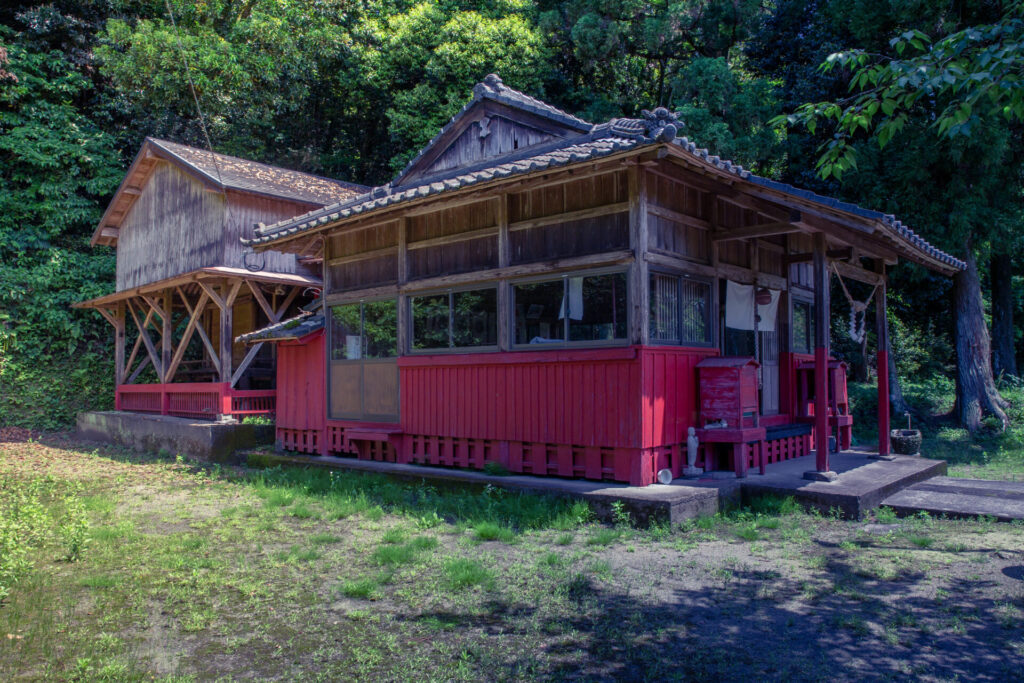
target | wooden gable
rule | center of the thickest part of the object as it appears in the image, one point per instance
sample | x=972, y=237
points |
x=484, y=132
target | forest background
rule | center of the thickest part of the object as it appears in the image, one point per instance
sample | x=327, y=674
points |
x=352, y=89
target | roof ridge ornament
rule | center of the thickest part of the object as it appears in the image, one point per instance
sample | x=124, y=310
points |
x=662, y=125
x=491, y=82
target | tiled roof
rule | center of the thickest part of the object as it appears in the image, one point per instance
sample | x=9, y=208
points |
x=655, y=128
x=252, y=176
x=298, y=327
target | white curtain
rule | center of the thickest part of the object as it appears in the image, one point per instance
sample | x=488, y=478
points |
x=739, y=308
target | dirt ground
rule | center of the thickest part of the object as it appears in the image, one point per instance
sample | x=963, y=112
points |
x=196, y=573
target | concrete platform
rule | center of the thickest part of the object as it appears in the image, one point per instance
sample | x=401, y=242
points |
x=863, y=483
x=197, y=438
x=964, y=498
x=672, y=503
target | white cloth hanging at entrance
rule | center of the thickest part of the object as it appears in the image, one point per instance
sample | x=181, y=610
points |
x=739, y=308
x=575, y=299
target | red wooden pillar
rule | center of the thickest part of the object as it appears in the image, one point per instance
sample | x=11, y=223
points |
x=822, y=282
x=882, y=323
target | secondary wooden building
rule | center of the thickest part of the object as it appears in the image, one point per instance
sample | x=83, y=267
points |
x=186, y=286
x=540, y=291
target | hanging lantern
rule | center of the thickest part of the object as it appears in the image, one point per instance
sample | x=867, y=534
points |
x=763, y=297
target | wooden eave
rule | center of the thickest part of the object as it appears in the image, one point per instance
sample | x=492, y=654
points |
x=106, y=232
x=200, y=275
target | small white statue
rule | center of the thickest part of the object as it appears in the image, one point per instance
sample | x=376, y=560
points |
x=691, y=455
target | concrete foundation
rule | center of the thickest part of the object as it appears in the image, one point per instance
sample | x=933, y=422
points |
x=671, y=503
x=965, y=498
x=196, y=438
x=860, y=485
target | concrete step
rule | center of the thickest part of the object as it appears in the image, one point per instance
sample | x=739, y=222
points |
x=954, y=497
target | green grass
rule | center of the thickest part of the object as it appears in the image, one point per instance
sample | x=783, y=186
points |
x=492, y=531
x=365, y=588
x=604, y=536
x=465, y=573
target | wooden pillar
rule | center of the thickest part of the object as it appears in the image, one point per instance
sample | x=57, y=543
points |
x=506, y=328
x=882, y=331
x=404, y=313
x=119, y=343
x=166, y=330
x=821, y=356
x=226, y=324
x=639, y=309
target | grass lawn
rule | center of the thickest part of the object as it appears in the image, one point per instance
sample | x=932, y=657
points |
x=989, y=454
x=138, y=568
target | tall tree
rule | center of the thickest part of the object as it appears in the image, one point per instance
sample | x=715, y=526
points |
x=968, y=85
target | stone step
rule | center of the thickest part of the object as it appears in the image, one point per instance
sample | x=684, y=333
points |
x=954, y=497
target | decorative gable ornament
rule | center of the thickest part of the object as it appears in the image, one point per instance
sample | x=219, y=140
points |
x=662, y=125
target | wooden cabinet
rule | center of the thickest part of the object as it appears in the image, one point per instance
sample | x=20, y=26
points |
x=728, y=390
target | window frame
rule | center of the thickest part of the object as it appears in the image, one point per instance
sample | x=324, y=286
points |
x=362, y=329
x=794, y=301
x=450, y=292
x=566, y=343
x=681, y=276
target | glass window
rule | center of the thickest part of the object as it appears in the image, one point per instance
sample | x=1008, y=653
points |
x=680, y=310
x=367, y=330
x=664, y=308
x=346, y=340
x=696, y=317
x=430, y=322
x=596, y=307
x=455, y=320
x=803, y=327
x=380, y=327
x=578, y=308
x=538, y=312
x=475, y=318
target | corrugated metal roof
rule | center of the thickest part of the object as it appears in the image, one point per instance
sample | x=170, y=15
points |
x=655, y=128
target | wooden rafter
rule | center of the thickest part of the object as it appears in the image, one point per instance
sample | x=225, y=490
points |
x=210, y=351
x=186, y=337
x=755, y=231
x=144, y=335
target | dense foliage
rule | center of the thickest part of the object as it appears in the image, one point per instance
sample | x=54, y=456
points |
x=351, y=89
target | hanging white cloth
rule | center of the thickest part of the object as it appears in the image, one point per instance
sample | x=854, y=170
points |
x=575, y=299
x=739, y=308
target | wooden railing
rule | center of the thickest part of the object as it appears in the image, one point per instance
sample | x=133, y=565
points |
x=204, y=400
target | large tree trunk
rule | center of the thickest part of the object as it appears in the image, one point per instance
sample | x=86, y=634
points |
x=1004, y=359
x=976, y=392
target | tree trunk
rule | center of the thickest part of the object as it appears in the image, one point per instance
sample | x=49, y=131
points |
x=976, y=392
x=1004, y=359
x=897, y=404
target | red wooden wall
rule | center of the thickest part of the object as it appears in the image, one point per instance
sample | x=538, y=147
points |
x=301, y=409
x=669, y=393
x=581, y=397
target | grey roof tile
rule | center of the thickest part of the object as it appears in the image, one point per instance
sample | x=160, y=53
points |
x=298, y=327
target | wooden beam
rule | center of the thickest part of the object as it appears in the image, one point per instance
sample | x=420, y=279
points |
x=119, y=343
x=107, y=315
x=505, y=330
x=144, y=335
x=639, y=310
x=210, y=351
x=244, y=365
x=756, y=231
x=214, y=297
x=821, y=353
x=361, y=256
x=166, y=339
x=490, y=231
x=262, y=301
x=676, y=217
x=855, y=272
x=186, y=336
x=109, y=232
x=611, y=258
x=843, y=253
x=229, y=292
x=882, y=355
x=138, y=371
x=582, y=214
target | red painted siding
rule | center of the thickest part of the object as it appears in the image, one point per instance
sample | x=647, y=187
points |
x=670, y=394
x=578, y=397
x=300, y=384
